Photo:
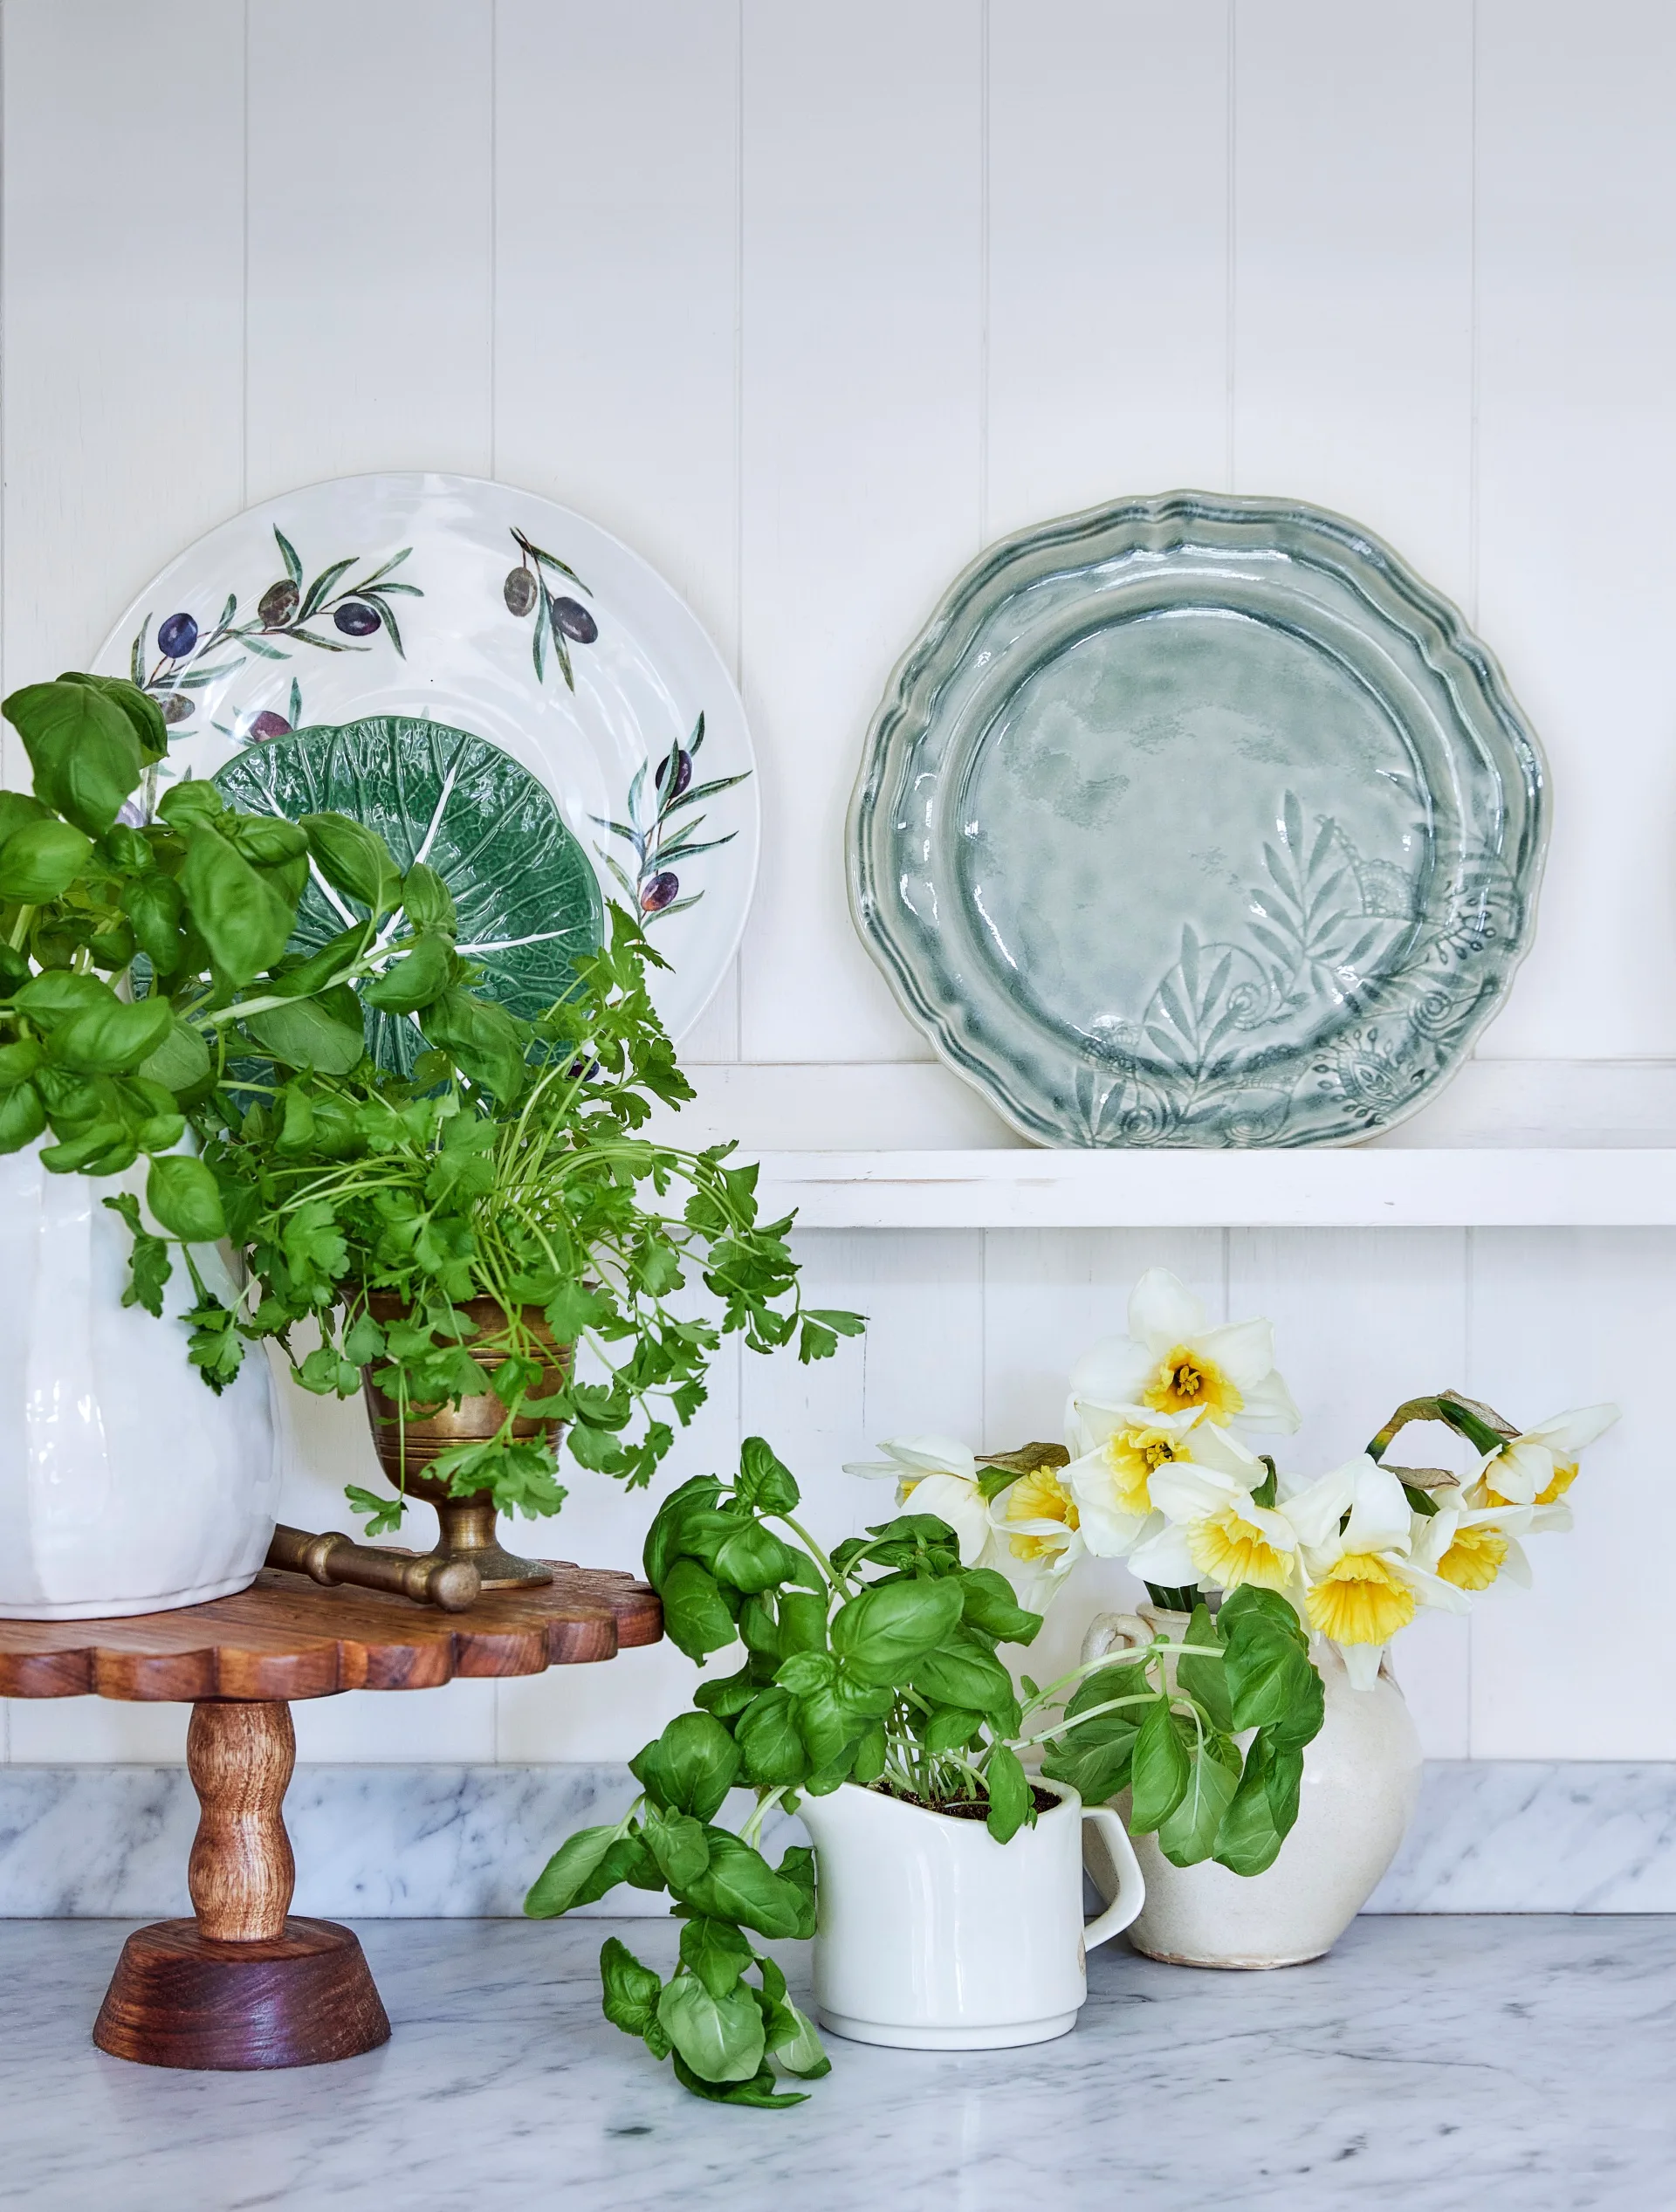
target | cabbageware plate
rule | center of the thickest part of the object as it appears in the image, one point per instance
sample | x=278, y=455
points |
x=396, y=607
x=1199, y=820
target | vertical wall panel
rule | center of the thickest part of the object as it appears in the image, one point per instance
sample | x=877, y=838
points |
x=123, y=259
x=369, y=238
x=1353, y=257
x=1108, y=235
x=123, y=262
x=616, y=294
x=1576, y=263
x=861, y=318
x=1579, y=1666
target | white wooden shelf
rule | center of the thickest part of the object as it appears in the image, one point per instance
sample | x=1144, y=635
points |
x=1358, y=1189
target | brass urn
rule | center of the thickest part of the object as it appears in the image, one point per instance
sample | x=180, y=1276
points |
x=466, y=1528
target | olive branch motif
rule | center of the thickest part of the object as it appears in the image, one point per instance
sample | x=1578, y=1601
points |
x=660, y=843
x=186, y=661
x=560, y=621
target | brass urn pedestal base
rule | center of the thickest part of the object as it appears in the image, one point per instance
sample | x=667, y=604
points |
x=466, y=1531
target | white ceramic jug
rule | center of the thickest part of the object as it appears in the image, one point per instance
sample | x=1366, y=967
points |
x=1361, y=1782
x=932, y=1936
x=127, y=1486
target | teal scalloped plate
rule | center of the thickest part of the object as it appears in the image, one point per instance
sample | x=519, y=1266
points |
x=1199, y=820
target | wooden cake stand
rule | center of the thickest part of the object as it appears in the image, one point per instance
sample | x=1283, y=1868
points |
x=243, y=1984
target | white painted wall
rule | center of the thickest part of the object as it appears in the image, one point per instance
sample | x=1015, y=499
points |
x=808, y=303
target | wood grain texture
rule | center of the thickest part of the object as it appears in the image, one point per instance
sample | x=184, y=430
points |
x=286, y=1637
x=301, y=1998
x=241, y=1873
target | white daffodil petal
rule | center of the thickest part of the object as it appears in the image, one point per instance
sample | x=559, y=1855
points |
x=1163, y=1312
x=1268, y=1409
x=1379, y=1510
x=1316, y=1509
x=960, y=1505
x=1550, y=1521
x=1276, y=1528
x=1164, y=1559
x=1182, y=1490
x=1566, y=1434
x=1515, y=1567
x=1431, y=1589
x=933, y=1455
x=1361, y=1663
x=1520, y=1470
x=1243, y=1350
x=1112, y=1372
x=1211, y=1446
x=1109, y=1527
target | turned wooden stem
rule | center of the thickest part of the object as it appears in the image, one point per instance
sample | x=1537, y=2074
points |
x=241, y=1873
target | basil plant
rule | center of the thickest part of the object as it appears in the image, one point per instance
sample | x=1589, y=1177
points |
x=138, y=958
x=878, y=1665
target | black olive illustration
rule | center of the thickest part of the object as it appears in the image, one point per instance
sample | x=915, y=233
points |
x=519, y=591
x=657, y=894
x=356, y=619
x=277, y=604
x=177, y=637
x=270, y=725
x=683, y=772
x=176, y=707
x=571, y=616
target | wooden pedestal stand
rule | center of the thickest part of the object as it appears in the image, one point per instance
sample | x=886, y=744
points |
x=244, y=1985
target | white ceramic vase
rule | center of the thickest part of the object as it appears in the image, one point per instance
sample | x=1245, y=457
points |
x=1361, y=1780
x=127, y=1486
x=932, y=1936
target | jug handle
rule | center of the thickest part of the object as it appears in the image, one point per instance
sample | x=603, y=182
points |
x=1132, y=1888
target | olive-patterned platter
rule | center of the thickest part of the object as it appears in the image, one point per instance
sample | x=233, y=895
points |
x=1199, y=820
x=441, y=621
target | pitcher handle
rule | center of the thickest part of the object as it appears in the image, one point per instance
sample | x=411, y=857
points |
x=1132, y=1888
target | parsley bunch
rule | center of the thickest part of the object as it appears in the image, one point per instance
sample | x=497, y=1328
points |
x=509, y=1165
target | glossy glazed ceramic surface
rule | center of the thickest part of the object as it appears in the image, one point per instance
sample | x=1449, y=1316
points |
x=1198, y=821
x=932, y=1936
x=127, y=1486
x=467, y=604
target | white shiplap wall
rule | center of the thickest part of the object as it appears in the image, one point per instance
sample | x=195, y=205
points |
x=807, y=304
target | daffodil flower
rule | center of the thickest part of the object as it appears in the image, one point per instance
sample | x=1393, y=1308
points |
x=1119, y=1449
x=1471, y=1547
x=1170, y=1363
x=939, y=1474
x=1038, y=1526
x=1540, y=1466
x=1356, y=1528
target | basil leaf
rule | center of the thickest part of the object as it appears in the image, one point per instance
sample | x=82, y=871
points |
x=696, y=1619
x=964, y=1673
x=353, y=859
x=111, y=1040
x=83, y=751
x=691, y=1767
x=41, y=861
x=630, y=1992
x=879, y=1635
x=241, y=917
x=1160, y=1768
x=1206, y=1678
x=721, y=2038
x=181, y=1194
x=1189, y=1834
x=753, y=1558
x=769, y=1739
x=421, y=975
x=715, y=1952
x=988, y=1602
x=323, y=1034
x=559, y=1884
x=739, y=1885
x=765, y=1482
x=1011, y=1803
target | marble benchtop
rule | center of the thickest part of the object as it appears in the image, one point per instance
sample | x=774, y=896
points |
x=1434, y=2064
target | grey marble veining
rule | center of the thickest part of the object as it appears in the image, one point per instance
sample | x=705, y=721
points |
x=439, y=1842
x=1432, y=2065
